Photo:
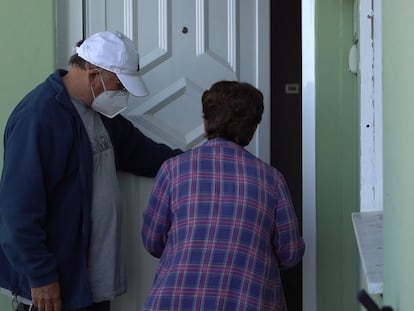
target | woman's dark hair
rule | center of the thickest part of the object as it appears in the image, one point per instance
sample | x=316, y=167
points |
x=232, y=110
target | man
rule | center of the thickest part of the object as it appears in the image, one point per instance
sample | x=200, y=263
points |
x=220, y=219
x=60, y=215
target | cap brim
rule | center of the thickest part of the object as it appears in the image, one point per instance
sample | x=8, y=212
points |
x=134, y=84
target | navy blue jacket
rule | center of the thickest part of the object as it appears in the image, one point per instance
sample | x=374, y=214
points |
x=46, y=188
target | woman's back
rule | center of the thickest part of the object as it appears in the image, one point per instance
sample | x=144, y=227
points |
x=222, y=223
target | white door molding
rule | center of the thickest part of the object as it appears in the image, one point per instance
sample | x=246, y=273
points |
x=308, y=156
x=370, y=51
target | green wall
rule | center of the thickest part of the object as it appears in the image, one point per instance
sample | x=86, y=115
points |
x=27, y=56
x=337, y=191
x=398, y=122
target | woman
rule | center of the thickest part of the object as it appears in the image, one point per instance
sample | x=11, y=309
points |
x=220, y=219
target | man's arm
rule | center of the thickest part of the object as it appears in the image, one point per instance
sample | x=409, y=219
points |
x=23, y=202
x=135, y=152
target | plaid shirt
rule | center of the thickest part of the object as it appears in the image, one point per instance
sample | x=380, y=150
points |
x=222, y=223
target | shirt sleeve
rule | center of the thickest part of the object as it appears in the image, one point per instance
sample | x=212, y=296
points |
x=288, y=242
x=135, y=152
x=157, y=215
x=23, y=200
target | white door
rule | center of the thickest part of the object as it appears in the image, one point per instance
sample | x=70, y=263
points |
x=185, y=46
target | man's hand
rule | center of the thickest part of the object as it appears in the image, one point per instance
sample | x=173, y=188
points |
x=47, y=298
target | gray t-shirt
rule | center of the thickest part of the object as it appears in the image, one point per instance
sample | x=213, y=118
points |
x=107, y=268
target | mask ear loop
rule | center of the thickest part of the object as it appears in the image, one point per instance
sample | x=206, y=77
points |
x=102, y=81
x=93, y=93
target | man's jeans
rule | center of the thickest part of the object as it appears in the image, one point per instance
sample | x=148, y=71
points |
x=101, y=306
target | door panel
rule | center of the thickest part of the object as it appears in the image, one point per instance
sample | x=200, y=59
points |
x=185, y=46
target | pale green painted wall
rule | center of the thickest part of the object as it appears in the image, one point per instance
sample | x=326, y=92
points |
x=398, y=111
x=27, y=56
x=337, y=191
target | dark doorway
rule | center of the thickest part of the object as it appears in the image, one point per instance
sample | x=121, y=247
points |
x=286, y=117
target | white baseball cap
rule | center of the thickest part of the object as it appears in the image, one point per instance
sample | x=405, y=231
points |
x=113, y=51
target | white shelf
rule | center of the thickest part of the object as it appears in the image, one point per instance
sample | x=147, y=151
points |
x=368, y=227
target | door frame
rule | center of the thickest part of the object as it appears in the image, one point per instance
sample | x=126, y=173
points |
x=70, y=29
x=309, y=276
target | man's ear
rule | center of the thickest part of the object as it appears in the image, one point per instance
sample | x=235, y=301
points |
x=92, y=75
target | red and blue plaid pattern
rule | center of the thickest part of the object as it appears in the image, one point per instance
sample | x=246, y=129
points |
x=222, y=223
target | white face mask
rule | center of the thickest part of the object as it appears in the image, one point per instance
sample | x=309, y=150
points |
x=110, y=103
